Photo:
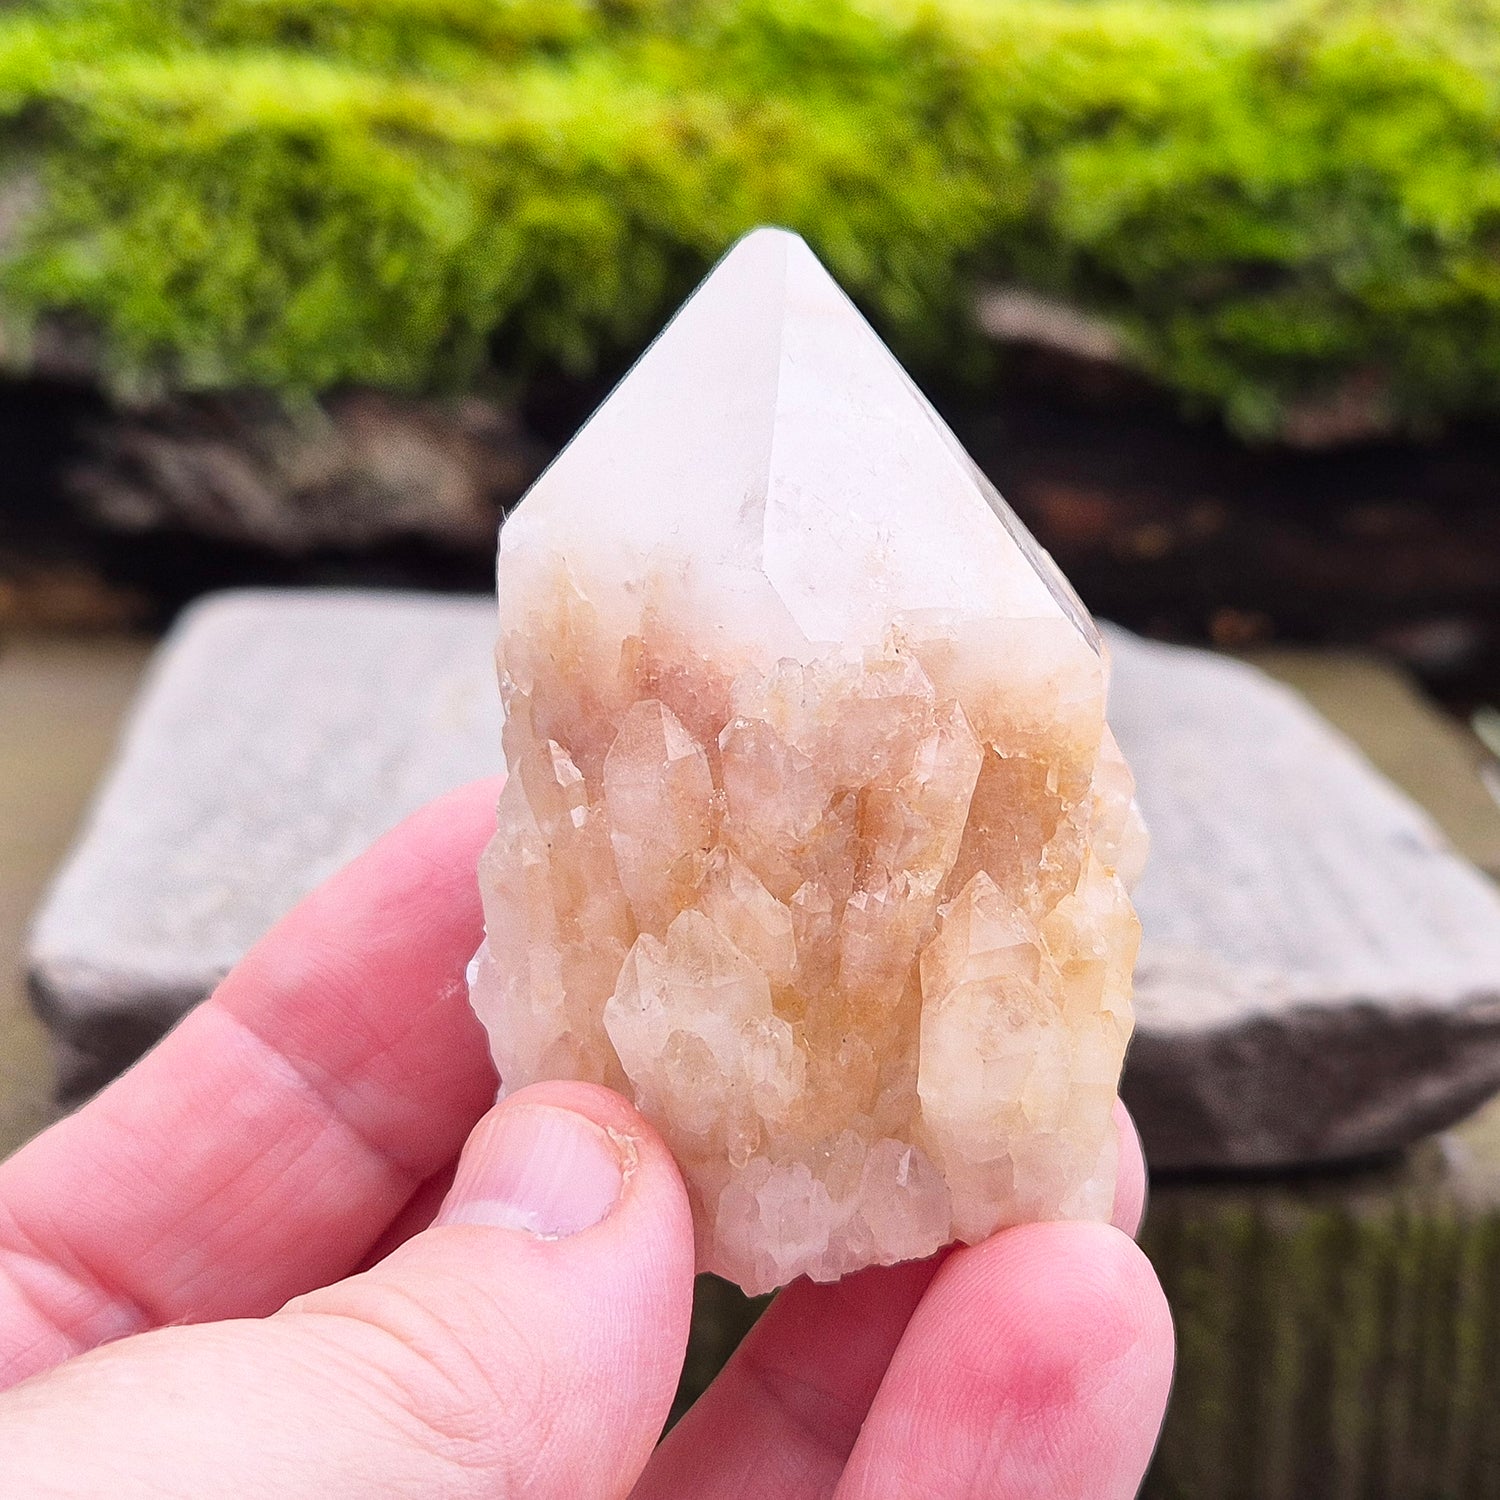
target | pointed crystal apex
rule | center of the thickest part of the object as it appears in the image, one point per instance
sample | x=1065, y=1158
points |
x=769, y=432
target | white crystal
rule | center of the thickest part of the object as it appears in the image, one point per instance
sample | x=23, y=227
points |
x=814, y=835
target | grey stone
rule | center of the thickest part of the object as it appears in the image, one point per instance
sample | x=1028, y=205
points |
x=1320, y=973
x=358, y=469
x=1015, y=315
x=278, y=734
x=1320, y=977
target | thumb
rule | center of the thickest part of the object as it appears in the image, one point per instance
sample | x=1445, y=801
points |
x=529, y=1342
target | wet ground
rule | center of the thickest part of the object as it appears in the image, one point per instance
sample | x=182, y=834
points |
x=61, y=702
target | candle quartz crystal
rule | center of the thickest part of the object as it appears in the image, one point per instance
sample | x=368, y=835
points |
x=815, y=842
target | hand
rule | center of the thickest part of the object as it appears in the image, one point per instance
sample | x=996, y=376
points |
x=248, y=1269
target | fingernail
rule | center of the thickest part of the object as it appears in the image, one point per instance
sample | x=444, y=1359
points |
x=534, y=1167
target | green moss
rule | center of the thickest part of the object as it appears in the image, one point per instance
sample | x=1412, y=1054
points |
x=1270, y=199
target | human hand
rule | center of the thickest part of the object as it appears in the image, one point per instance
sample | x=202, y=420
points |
x=247, y=1269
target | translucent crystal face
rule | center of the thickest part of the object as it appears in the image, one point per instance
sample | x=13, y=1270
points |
x=814, y=836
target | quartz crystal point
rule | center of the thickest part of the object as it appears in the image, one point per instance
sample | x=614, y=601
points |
x=815, y=840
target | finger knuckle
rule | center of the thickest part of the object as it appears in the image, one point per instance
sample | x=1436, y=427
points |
x=452, y=1371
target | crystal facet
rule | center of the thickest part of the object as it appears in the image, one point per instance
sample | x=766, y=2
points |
x=815, y=838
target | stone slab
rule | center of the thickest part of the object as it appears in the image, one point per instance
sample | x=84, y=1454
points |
x=1320, y=972
x=1320, y=977
x=277, y=735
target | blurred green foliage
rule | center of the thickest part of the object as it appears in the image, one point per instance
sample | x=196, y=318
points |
x=1271, y=198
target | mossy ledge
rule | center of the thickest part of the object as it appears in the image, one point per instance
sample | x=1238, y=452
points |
x=1276, y=204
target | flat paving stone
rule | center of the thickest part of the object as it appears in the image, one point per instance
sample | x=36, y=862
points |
x=1319, y=977
x=278, y=734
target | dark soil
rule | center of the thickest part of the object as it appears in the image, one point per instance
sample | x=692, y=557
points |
x=1182, y=532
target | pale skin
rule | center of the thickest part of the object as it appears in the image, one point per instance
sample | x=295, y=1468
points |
x=248, y=1269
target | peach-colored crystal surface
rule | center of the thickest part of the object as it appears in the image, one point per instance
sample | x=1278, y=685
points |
x=815, y=840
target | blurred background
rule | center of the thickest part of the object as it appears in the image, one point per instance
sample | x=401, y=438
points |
x=303, y=292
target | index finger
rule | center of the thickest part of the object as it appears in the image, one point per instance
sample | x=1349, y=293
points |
x=264, y=1144
x=782, y=1417
x=1037, y=1364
